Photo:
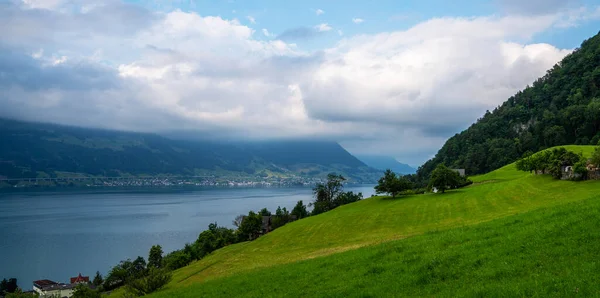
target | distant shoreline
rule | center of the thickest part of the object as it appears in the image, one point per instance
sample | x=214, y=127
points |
x=144, y=189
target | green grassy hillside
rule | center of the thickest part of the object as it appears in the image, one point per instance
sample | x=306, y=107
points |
x=550, y=252
x=499, y=194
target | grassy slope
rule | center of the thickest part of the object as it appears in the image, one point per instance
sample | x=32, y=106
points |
x=543, y=253
x=376, y=220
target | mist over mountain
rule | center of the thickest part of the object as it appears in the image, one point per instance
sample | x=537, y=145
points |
x=40, y=150
x=386, y=162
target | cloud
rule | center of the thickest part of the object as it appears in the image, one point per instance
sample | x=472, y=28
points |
x=319, y=12
x=357, y=20
x=340, y=33
x=399, y=93
x=251, y=19
x=44, y=4
x=266, y=32
x=323, y=27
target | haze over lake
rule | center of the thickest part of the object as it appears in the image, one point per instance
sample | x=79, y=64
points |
x=56, y=235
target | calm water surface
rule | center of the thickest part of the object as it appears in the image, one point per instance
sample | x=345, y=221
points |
x=56, y=235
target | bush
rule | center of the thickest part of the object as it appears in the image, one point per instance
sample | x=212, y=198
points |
x=155, y=280
x=84, y=291
x=177, y=259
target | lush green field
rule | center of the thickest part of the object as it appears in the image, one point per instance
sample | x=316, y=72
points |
x=548, y=252
x=499, y=194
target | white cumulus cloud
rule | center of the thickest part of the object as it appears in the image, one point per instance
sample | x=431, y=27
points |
x=357, y=20
x=323, y=27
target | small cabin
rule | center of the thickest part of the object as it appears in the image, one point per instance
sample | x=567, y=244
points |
x=461, y=172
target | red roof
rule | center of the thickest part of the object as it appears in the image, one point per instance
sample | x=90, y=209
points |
x=79, y=279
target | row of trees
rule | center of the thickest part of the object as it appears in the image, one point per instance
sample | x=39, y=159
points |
x=140, y=277
x=8, y=286
x=553, y=161
x=442, y=179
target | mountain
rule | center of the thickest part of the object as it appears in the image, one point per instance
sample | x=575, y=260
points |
x=386, y=162
x=562, y=107
x=42, y=150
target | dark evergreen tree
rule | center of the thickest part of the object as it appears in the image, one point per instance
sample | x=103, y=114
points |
x=155, y=257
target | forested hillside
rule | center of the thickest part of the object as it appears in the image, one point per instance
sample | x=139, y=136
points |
x=40, y=150
x=562, y=107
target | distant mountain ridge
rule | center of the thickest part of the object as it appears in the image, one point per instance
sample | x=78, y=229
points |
x=35, y=149
x=386, y=162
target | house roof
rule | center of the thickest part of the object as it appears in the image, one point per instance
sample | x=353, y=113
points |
x=80, y=279
x=44, y=282
x=57, y=287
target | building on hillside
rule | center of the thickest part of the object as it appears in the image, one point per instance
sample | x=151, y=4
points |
x=48, y=288
x=567, y=173
x=80, y=279
x=460, y=172
x=267, y=222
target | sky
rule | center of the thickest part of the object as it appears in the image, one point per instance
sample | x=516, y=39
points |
x=395, y=78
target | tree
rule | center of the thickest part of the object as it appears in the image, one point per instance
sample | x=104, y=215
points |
x=595, y=160
x=98, y=280
x=3, y=286
x=119, y=275
x=391, y=184
x=251, y=227
x=325, y=193
x=238, y=220
x=214, y=238
x=138, y=267
x=177, y=259
x=155, y=257
x=346, y=198
x=8, y=286
x=580, y=169
x=18, y=293
x=282, y=217
x=444, y=178
x=84, y=291
x=265, y=212
x=300, y=210
x=156, y=279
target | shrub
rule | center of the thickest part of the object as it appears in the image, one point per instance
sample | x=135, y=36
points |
x=156, y=279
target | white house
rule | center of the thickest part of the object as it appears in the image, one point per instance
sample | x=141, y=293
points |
x=48, y=288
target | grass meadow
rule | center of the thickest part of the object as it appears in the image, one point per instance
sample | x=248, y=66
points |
x=510, y=234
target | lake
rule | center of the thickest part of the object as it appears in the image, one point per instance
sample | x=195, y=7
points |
x=59, y=234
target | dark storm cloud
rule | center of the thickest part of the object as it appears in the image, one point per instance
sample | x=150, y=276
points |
x=20, y=70
x=111, y=21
